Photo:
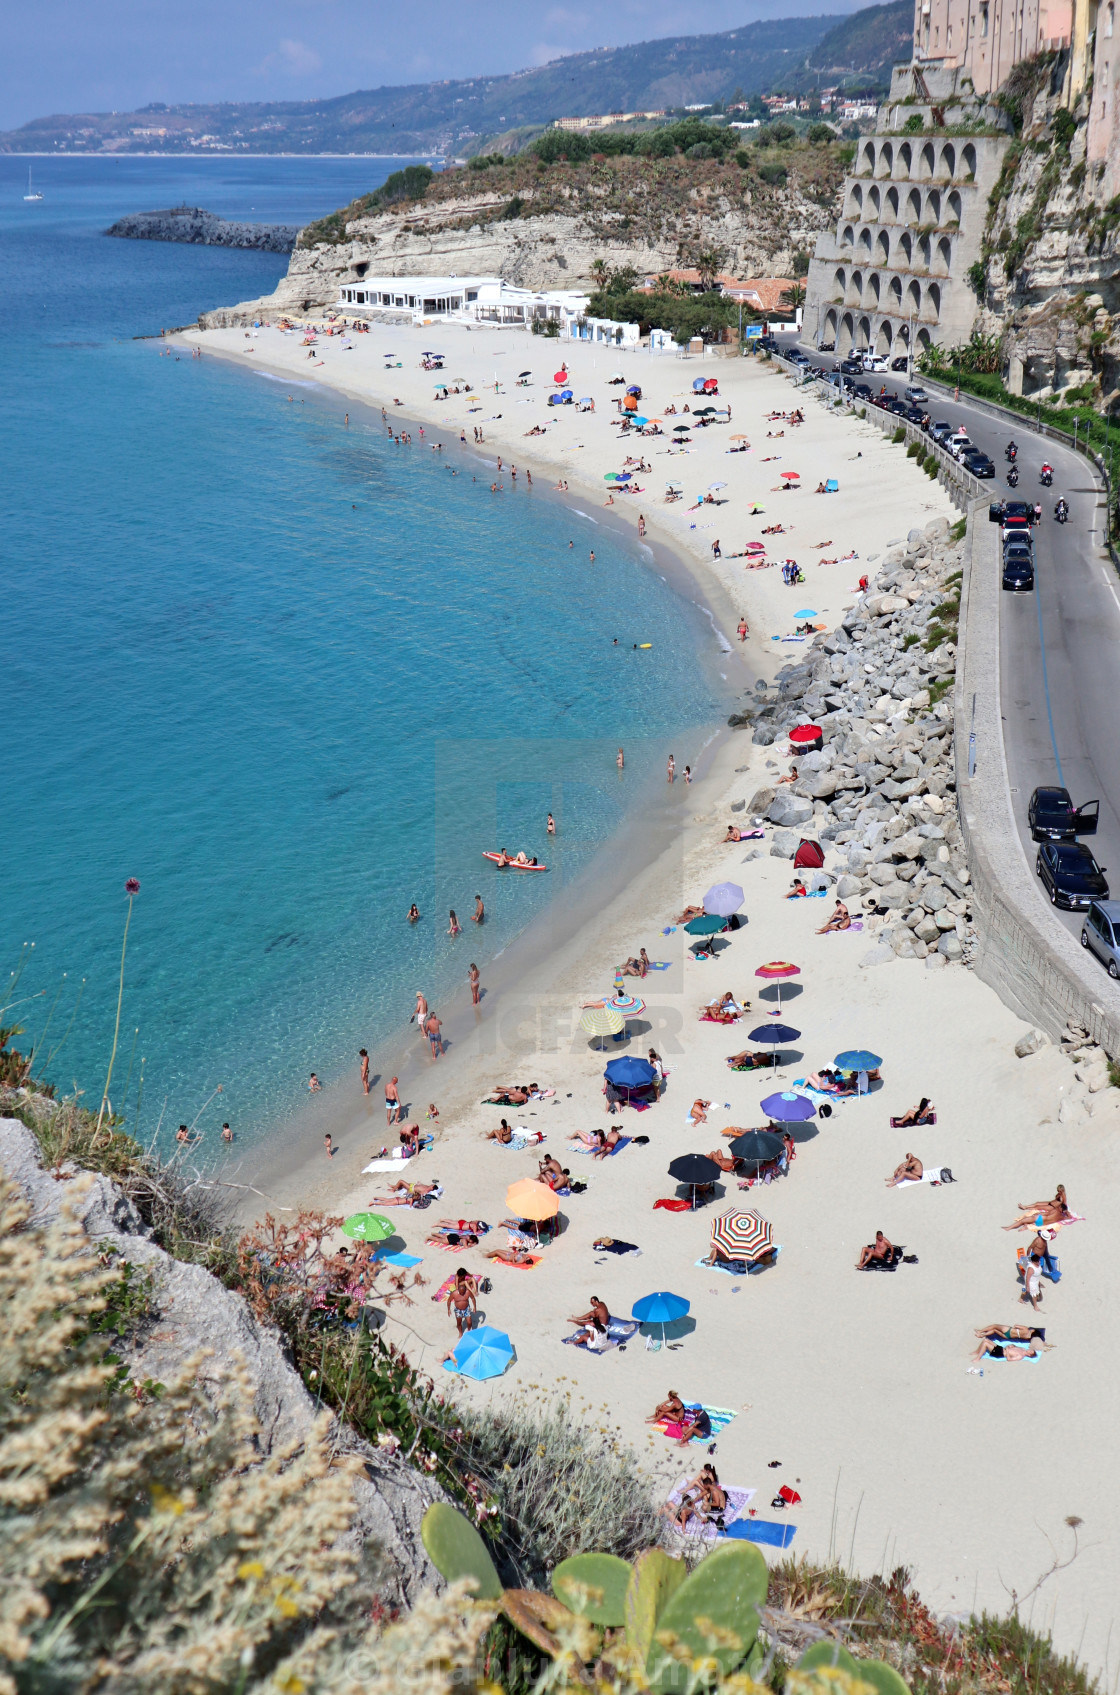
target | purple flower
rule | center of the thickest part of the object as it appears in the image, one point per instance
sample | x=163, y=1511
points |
x=132, y=887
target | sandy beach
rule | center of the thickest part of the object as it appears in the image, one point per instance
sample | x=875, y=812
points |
x=846, y=1380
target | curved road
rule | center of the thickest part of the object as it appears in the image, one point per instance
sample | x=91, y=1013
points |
x=1060, y=645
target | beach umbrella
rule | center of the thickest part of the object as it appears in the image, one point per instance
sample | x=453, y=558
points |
x=585, y=400
x=368, y=1227
x=601, y=1021
x=630, y=1072
x=623, y=476
x=660, y=1308
x=611, y=477
x=639, y=423
x=806, y=612
x=524, y=373
x=788, y=1107
x=858, y=1059
x=723, y=899
x=740, y=438
x=775, y=971
x=712, y=487
x=756, y=1147
x=707, y=926
x=482, y=1353
x=680, y=429
x=775, y=1036
x=694, y=1169
x=742, y=1235
x=629, y=1005
x=791, y=476
x=530, y=1199
x=634, y=389
x=560, y=376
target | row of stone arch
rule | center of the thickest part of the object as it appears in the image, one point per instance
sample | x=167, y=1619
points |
x=918, y=161
x=874, y=245
x=886, y=293
x=856, y=332
x=903, y=205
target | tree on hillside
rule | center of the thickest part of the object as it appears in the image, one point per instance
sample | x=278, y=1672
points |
x=600, y=272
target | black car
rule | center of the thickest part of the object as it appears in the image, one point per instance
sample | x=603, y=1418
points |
x=979, y=464
x=1052, y=816
x=1020, y=510
x=902, y=364
x=1018, y=573
x=914, y=415
x=862, y=391
x=1070, y=874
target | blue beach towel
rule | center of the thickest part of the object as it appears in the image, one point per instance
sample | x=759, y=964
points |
x=403, y=1260
x=762, y=1530
x=719, y=1417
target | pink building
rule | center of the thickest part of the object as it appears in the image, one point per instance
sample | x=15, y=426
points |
x=986, y=38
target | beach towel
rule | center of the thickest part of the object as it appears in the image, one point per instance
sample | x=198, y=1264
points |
x=616, y=1247
x=719, y=1417
x=523, y=1265
x=448, y=1284
x=673, y=1206
x=897, y=1124
x=396, y=1160
x=762, y=1530
x=659, y=964
x=578, y=1147
x=821, y=1094
x=726, y=1270
x=930, y=1174
x=619, y=1331
x=738, y=1500
x=403, y=1260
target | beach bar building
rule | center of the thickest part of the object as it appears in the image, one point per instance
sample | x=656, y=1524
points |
x=482, y=300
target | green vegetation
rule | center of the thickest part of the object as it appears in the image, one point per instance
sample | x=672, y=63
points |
x=410, y=184
x=669, y=306
x=957, y=533
x=899, y=434
x=913, y=124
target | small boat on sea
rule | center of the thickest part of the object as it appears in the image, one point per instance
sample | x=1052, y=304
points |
x=32, y=193
x=513, y=864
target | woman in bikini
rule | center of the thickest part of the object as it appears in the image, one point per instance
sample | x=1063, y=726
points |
x=703, y=1497
x=671, y=1410
x=920, y=1114
x=503, y=1134
x=1044, y=1212
x=1032, y=1350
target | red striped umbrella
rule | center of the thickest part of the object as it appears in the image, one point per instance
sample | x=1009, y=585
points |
x=777, y=969
x=742, y=1235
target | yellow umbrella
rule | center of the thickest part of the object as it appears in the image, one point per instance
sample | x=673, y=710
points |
x=602, y=1021
x=527, y=1199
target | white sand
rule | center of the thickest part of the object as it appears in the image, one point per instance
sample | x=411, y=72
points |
x=857, y=1383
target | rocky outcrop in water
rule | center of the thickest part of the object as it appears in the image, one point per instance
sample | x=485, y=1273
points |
x=204, y=229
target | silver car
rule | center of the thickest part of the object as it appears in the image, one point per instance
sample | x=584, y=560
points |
x=1100, y=933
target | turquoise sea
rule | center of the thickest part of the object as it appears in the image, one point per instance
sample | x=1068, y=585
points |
x=289, y=676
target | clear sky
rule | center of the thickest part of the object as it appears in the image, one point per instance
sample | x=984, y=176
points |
x=116, y=55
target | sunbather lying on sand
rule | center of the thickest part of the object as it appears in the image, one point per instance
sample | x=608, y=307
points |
x=879, y=1249
x=510, y=1256
x=512, y=1094
x=748, y=1061
x=723, y=1160
x=831, y=1082
x=602, y=1142
x=478, y=1226
x=1044, y=1212
x=1010, y=1351
x=698, y=1112
x=910, y=1171
x=671, y=1410
x=453, y=1239
x=840, y=920
x=923, y=1113
x=689, y=912
x=402, y=1194
x=1010, y=1333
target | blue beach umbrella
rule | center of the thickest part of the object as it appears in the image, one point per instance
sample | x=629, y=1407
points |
x=483, y=1353
x=639, y=423
x=775, y=1036
x=858, y=1059
x=788, y=1107
x=661, y=1308
x=629, y=1072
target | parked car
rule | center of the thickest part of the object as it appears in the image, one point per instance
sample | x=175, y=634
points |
x=941, y=431
x=1052, y=816
x=852, y=367
x=876, y=363
x=1100, y=933
x=861, y=391
x=902, y=363
x=958, y=446
x=1070, y=874
x=1018, y=573
x=980, y=465
x=1008, y=511
x=1017, y=554
x=914, y=415
x=916, y=392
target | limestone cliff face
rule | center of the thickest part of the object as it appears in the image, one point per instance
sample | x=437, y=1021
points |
x=758, y=230
x=1053, y=259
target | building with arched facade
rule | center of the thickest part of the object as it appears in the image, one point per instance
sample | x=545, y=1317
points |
x=894, y=274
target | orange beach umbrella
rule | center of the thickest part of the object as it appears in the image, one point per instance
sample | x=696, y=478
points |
x=527, y=1199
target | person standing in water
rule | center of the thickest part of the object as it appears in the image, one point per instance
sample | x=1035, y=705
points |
x=620, y=761
x=551, y=825
x=364, y=1057
x=688, y=773
x=475, y=982
x=454, y=928
x=479, y=913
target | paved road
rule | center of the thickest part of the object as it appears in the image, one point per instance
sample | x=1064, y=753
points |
x=1060, y=646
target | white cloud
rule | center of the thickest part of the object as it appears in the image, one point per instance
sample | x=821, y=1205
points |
x=290, y=58
x=543, y=51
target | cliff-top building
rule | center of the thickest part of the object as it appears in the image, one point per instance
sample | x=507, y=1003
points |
x=894, y=273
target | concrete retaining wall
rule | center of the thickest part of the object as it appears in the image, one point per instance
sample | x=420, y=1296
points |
x=1025, y=953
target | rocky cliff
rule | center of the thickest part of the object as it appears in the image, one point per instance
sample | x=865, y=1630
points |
x=206, y=229
x=192, y=1314
x=546, y=228
x=1051, y=258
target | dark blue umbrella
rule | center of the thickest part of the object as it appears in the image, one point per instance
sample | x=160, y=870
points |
x=858, y=1059
x=788, y=1107
x=661, y=1308
x=776, y=1035
x=630, y=1072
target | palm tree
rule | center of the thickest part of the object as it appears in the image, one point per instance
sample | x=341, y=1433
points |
x=708, y=263
x=600, y=273
x=793, y=297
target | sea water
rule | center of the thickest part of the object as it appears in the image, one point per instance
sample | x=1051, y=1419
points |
x=290, y=676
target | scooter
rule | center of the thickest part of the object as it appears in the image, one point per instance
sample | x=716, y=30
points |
x=1047, y=475
x=1013, y=477
x=1011, y=452
x=1061, y=512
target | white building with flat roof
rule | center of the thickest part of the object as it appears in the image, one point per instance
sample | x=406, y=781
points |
x=482, y=300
